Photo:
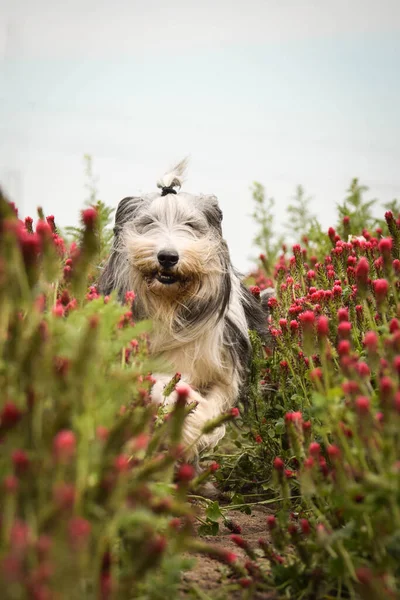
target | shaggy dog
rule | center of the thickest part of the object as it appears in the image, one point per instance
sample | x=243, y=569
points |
x=169, y=249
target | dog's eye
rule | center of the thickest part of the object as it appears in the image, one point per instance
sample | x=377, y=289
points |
x=191, y=225
x=144, y=223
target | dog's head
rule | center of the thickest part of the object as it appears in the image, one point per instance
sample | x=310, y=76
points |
x=168, y=246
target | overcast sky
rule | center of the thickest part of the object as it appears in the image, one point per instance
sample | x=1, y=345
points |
x=279, y=91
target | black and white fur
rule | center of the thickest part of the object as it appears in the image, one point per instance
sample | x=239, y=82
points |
x=201, y=311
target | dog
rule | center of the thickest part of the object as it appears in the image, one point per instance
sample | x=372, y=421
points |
x=169, y=249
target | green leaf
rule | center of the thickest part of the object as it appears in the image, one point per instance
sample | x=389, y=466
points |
x=213, y=512
x=211, y=528
x=280, y=426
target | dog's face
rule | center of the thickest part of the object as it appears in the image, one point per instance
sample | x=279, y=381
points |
x=173, y=244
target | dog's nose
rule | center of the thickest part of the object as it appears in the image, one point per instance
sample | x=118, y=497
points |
x=167, y=258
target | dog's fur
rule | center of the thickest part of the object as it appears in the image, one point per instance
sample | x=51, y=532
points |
x=201, y=311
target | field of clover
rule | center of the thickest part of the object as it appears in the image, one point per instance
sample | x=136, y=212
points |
x=97, y=501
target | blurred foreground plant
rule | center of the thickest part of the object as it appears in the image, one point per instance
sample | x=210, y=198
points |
x=90, y=507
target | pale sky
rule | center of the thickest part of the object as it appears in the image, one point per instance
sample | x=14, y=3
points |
x=279, y=91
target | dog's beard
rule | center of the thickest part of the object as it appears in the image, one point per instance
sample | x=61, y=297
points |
x=169, y=283
x=197, y=263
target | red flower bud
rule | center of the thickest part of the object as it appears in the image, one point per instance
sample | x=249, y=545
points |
x=20, y=536
x=363, y=369
x=20, y=461
x=350, y=387
x=157, y=545
x=255, y=291
x=314, y=449
x=79, y=531
x=307, y=319
x=333, y=451
x=28, y=224
x=283, y=324
x=102, y=433
x=183, y=390
x=58, y=310
x=323, y=326
x=89, y=217
x=10, y=484
x=385, y=246
x=289, y=474
x=344, y=329
x=381, y=288
x=64, y=445
x=305, y=526
x=362, y=271
x=293, y=417
x=323, y=466
x=362, y=404
x=228, y=557
x=279, y=465
x=30, y=244
x=43, y=229
x=316, y=374
x=239, y=541
x=371, y=341
x=344, y=348
x=343, y=314
x=232, y=526
x=130, y=297
x=50, y=220
x=122, y=463
x=64, y=495
x=185, y=473
x=364, y=575
x=214, y=467
x=396, y=364
x=386, y=389
x=337, y=291
x=10, y=415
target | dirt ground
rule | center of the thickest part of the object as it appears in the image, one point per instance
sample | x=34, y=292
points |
x=208, y=574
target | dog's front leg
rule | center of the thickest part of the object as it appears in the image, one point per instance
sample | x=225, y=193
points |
x=218, y=399
x=157, y=391
x=209, y=406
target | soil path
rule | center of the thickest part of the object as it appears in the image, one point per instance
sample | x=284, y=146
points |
x=208, y=574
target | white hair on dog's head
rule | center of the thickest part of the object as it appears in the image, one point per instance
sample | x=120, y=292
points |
x=169, y=249
x=175, y=177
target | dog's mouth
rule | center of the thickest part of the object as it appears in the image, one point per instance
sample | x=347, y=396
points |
x=166, y=278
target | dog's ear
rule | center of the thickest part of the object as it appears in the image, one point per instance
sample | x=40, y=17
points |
x=212, y=211
x=126, y=211
x=111, y=278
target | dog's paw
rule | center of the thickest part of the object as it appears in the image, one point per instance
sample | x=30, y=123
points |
x=157, y=391
x=204, y=409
